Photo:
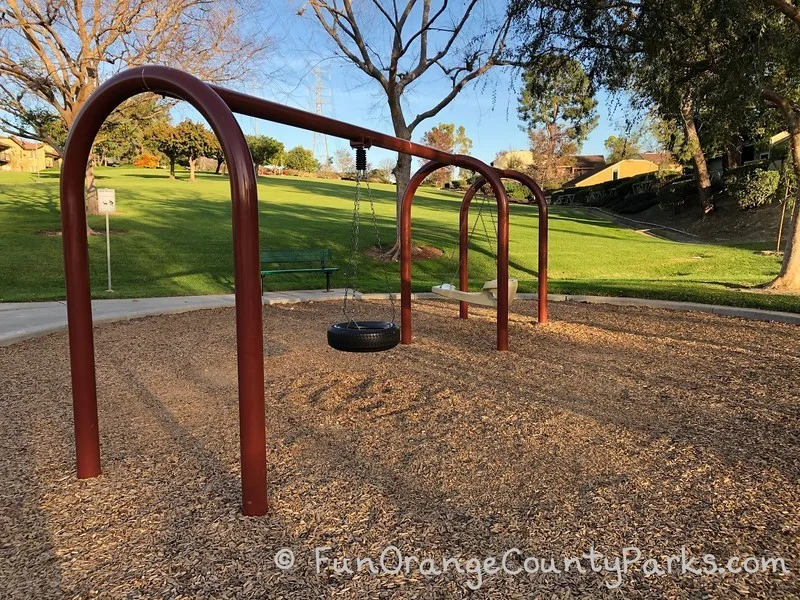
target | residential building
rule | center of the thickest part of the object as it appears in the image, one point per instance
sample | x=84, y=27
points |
x=622, y=169
x=22, y=155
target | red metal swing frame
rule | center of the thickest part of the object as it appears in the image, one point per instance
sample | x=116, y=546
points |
x=217, y=105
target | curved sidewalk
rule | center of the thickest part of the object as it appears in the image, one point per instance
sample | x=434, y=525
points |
x=22, y=320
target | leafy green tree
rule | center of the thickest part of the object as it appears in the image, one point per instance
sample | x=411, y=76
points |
x=765, y=71
x=668, y=136
x=193, y=141
x=164, y=138
x=559, y=93
x=661, y=50
x=264, y=149
x=558, y=106
x=122, y=136
x=215, y=151
x=447, y=137
x=620, y=148
x=301, y=159
x=707, y=63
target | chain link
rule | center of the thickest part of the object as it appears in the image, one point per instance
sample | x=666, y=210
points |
x=380, y=252
x=479, y=217
x=353, y=258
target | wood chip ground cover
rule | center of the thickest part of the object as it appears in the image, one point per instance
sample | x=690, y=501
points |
x=608, y=427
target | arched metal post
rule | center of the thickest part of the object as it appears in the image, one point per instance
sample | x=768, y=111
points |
x=177, y=84
x=463, y=239
x=489, y=174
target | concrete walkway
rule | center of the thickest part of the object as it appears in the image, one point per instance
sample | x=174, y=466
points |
x=22, y=320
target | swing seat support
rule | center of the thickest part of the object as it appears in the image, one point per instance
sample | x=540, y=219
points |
x=486, y=297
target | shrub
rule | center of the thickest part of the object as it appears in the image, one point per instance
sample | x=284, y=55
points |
x=676, y=194
x=325, y=175
x=669, y=200
x=147, y=161
x=759, y=165
x=625, y=187
x=753, y=189
x=582, y=196
x=379, y=176
x=516, y=191
x=634, y=203
x=457, y=184
x=315, y=174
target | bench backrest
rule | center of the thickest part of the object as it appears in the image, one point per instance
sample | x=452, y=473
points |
x=296, y=256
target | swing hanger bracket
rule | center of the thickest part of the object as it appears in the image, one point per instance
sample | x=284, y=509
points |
x=361, y=143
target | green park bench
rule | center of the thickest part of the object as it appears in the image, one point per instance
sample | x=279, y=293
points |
x=286, y=261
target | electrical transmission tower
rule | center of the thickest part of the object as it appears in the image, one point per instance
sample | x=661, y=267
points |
x=320, y=98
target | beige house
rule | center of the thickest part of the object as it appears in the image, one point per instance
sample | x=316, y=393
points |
x=630, y=167
x=21, y=155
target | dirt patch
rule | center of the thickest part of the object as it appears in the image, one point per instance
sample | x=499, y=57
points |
x=727, y=223
x=608, y=427
x=418, y=252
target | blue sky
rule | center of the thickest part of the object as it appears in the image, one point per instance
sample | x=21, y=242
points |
x=487, y=107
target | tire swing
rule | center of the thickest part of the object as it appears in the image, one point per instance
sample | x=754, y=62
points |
x=352, y=335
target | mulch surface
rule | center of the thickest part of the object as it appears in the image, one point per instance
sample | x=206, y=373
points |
x=607, y=428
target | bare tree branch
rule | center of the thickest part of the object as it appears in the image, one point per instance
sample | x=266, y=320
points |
x=54, y=53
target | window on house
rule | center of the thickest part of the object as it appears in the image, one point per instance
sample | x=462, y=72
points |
x=615, y=174
x=764, y=155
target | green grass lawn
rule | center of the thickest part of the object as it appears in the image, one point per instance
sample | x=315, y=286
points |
x=174, y=238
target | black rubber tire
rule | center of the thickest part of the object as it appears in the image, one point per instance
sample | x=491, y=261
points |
x=363, y=336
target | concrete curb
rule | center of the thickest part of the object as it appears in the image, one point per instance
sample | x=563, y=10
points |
x=715, y=309
x=23, y=320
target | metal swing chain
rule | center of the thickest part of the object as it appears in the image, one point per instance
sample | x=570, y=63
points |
x=479, y=217
x=486, y=231
x=352, y=276
x=380, y=251
x=352, y=259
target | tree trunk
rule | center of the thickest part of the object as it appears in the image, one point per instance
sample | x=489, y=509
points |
x=191, y=168
x=172, y=167
x=402, y=170
x=789, y=276
x=402, y=175
x=219, y=166
x=733, y=153
x=701, y=176
x=92, y=206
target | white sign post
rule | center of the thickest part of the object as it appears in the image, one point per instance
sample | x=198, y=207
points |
x=107, y=204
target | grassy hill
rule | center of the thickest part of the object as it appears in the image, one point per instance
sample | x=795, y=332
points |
x=174, y=238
